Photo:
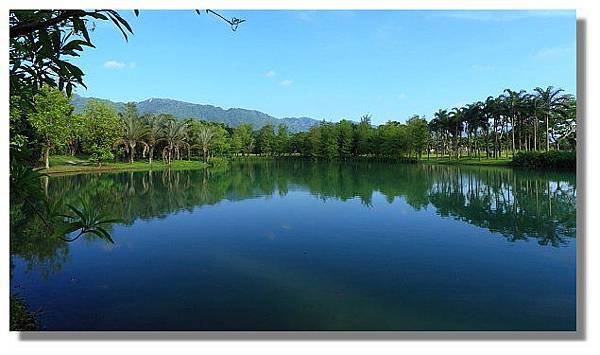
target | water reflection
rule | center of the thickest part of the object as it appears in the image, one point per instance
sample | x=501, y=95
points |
x=519, y=205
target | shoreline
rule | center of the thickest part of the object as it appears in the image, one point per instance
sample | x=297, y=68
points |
x=66, y=169
x=111, y=167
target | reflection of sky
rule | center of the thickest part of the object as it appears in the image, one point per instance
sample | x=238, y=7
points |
x=302, y=261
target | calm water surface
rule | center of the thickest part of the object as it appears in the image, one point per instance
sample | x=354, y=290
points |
x=311, y=246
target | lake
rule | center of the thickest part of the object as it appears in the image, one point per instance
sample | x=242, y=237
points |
x=300, y=245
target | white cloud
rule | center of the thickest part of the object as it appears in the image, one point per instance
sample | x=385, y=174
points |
x=113, y=64
x=286, y=82
x=270, y=73
x=402, y=96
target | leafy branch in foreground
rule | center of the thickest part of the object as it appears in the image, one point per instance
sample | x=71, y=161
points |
x=27, y=189
x=86, y=220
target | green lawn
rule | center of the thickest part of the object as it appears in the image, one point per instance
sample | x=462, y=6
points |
x=504, y=161
x=60, y=164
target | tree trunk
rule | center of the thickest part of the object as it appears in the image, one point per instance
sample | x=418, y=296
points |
x=131, y=152
x=535, y=123
x=151, y=154
x=512, y=123
x=47, y=157
x=547, y=134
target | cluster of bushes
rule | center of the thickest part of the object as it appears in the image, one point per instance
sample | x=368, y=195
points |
x=553, y=159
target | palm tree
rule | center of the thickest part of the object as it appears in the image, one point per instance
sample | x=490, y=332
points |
x=484, y=124
x=493, y=109
x=435, y=130
x=476, y=119
x=553, y=101
x=205, y=136
x=154, y=124
x=534, y=110
x=513, y=101
x=443, y=126
x=456, y=127
x=175, y=136
x=472, y=114
x=134, y=130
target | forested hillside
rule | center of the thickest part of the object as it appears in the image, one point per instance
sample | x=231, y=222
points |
x=232, y=117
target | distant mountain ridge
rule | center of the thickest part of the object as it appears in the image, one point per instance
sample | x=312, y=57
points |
x=232, y=117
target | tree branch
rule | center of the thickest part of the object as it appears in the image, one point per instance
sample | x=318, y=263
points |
x=25, y=28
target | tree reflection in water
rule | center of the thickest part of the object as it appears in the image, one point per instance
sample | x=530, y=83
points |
x=517, y=204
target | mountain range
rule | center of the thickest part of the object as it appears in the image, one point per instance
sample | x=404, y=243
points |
x=232, y=117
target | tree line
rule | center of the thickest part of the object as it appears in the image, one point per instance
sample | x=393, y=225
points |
x=513, y=121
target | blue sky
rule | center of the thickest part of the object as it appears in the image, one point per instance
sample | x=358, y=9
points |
x=333, y=64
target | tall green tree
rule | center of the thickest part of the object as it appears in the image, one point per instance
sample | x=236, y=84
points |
x=564, y=127
x=345, y=130
x=363, y=135
x=242, y=139
x=553, y=102
x=205, y=137
x=102, y=129
x=51, y=119
x=417, y=134
x=154, y=132
x=456, y=121
x=266, y=139
x=134, y=130
x=282, y=140
x=329, y=141
x=175, y=136
x=313, y=143
x=514, y=102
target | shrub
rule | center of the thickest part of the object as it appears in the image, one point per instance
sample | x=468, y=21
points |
x=553, y=159
x=99, y=155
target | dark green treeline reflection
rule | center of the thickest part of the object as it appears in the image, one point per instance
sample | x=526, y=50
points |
x=517, y=204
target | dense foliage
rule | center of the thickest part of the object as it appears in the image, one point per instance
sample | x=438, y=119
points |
x=514, y=121
x=503, y=125
x=41, y=78
x=546, y=160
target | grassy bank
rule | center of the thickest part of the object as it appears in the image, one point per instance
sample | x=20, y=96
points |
x=61, y=164
x=21, y=318
x=504, y=161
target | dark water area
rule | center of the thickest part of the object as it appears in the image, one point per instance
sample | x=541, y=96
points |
x=298, y=245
